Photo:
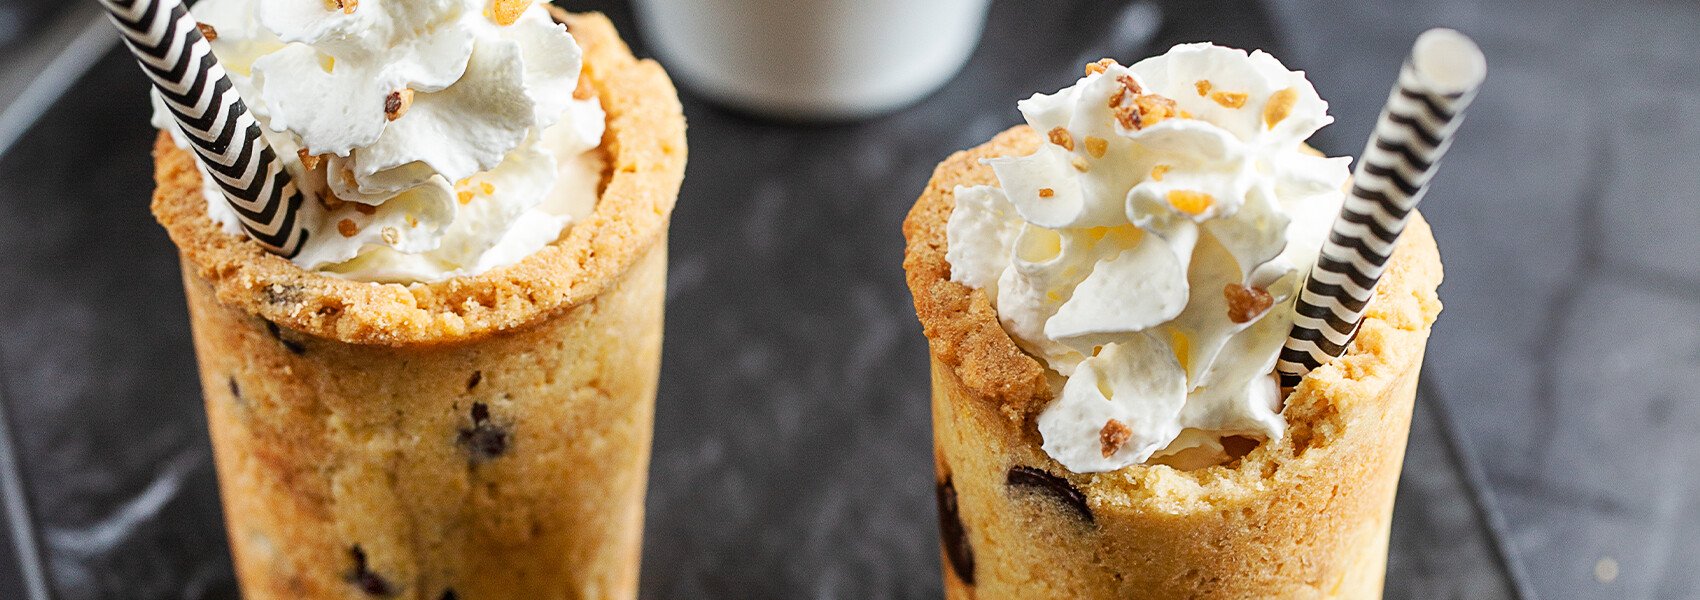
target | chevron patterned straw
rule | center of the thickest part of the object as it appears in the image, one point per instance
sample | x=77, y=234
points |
x=1437, y=82
x=168, y=44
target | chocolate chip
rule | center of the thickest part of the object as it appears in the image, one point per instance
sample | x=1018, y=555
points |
x=366, y=581
x=485, y=440
x=953, y=536
x=473, y=381
x=449, y=594
x=293, y=347
x=235, y=389
x=278, y=293
x=1057, y=487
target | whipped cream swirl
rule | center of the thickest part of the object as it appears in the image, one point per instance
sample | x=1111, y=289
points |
x=440, y=137
x=1148, y=253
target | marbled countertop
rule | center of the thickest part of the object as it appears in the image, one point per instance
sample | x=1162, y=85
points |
x=1552, y=455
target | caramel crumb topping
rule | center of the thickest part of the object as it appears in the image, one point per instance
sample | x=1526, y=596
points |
x=465, y=196
x=1229, y=99
x=1246, y=303
x=397, y=103
x=347, y=228
x=1130, y=84
x=346, y=6
x=330, y=201
x=1097, y=146
x=391, y=236
x=1158, y=172
x=412, y=222
x=308, y=159
x=1080, y=164
x=1061, y=137
x=1145, y=111
x=487, y=188
x=1114, y=434
x=584, y=91
x=1279, y=106
x=1130, y=87
x=506, y=12
x=1203, y=86
x=1046, y=192
x=1190, y=202
x=365, y=209
x=207, y=31
x=1100, y=66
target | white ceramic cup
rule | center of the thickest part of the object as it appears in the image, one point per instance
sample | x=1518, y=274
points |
x=813, y=58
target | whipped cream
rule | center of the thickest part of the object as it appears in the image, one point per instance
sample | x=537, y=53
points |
x=440, y=137
x=1149, y=252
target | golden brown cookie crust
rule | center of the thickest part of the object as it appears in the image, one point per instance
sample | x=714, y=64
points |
x=645, y=144
x=964, y=334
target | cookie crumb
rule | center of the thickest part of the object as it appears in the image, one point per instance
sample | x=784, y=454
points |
x=1080, y=164
x=1062, y=137
x=1246, y=303
x=1113, y=436
x=347, y=228
x=365, y=209
x=1047, y=192
x=346, y=6
x=1203, y=87
x=207, y=31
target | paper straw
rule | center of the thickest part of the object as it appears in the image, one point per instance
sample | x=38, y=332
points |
x=1436, y=83
x=170, y=48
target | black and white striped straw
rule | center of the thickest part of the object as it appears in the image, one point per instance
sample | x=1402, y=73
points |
x=168, y=44
x=1436, y=83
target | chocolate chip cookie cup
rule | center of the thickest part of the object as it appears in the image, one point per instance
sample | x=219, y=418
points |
x=483, y=436
x=1303, y=516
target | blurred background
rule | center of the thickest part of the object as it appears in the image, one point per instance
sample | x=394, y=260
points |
x=1552, y=456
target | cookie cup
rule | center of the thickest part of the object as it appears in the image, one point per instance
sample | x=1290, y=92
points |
x=480, y=437
x=1306, y=516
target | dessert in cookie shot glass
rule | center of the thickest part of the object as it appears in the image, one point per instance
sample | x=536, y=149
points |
x=1113, y=296
x=436, y=378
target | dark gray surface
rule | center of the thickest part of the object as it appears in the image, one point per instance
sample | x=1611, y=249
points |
x=791, y=453
x=1568, y=217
